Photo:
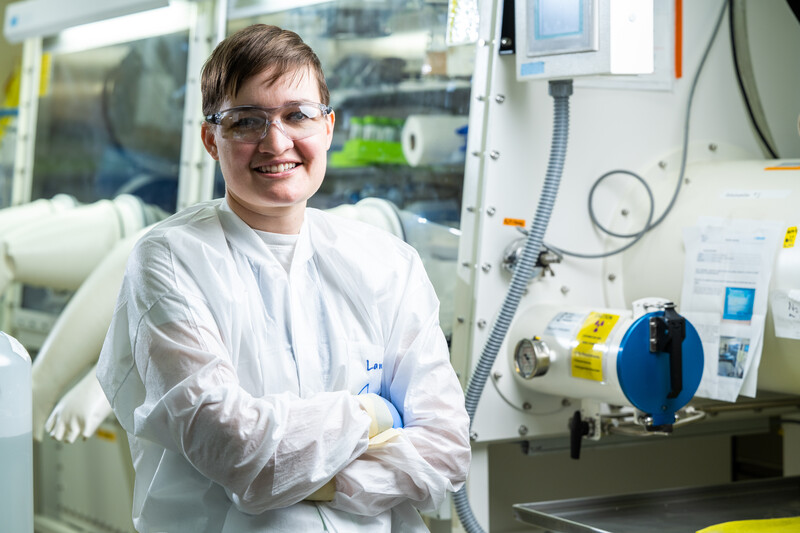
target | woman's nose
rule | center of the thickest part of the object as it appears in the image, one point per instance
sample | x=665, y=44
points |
x=275, y=140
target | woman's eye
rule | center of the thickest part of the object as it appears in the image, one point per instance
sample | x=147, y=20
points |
x=296, y=116
x=247, y=123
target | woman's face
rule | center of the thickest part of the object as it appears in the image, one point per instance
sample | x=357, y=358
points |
x=269, y=183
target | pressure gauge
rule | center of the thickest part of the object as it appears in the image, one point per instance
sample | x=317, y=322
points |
x=531, y=358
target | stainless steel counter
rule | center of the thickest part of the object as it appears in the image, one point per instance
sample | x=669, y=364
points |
x=667, y=511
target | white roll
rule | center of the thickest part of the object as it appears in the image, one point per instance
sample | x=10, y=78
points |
x=433, y=139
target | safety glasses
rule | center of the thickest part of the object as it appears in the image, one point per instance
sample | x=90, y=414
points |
x=250, y=124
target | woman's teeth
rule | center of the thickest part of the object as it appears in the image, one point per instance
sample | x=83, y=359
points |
x=274, y=169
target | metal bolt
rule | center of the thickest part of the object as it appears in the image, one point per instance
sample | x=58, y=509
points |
x=526, y=405
x=505, y=41
x=497, y=375
x=713, y=147
x=625, y=212
x=486, y=267
x=481, y=323
x=500, y=98
x=523, y=430
x=480, y=98
x=473, y=435
x=491, y=211
x=612, y=277
x=662, y=164
x=476, y=153
x=461, y=319
x=470, y=208
x=482, y=42
x=465, y=264
x=494, y=154
x=564, y=289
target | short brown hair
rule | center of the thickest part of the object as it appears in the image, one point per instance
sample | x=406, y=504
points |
x=249, y=52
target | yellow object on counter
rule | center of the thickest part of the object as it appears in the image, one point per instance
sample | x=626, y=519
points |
x=772, y=525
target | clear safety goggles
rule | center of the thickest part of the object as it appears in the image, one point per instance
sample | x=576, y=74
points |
x=249, y=124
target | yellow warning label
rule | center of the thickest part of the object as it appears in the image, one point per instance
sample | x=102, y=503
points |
x=106, y=434
x=587, y=360
x=514, y=222
x=791, y=235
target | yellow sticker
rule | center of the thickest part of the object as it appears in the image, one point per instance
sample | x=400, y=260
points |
x=106, y=435
x=587, y=361
x=514, y=222
x=791, y=235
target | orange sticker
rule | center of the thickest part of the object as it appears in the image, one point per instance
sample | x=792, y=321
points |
x=514, y=222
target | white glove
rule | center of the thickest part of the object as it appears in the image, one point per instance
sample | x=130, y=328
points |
x=76, y=338
x=80, y=411
x=378, y=409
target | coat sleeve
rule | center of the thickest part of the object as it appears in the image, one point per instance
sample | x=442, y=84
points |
x=178, y=387
x=430, y=456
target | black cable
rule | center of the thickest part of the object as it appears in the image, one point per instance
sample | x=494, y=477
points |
x=794, y=5
x=773, y=153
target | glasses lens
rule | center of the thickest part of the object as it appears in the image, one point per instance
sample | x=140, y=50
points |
x=301, y=120
x=244, y=125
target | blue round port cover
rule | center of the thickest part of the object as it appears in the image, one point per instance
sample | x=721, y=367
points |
x=644, y=376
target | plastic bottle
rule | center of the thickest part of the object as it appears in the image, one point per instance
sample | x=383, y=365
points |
x=16, y=444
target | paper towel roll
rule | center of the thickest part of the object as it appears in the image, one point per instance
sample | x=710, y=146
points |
x=432, y=139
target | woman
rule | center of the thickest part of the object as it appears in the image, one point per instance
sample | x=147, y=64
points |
x=278, y=368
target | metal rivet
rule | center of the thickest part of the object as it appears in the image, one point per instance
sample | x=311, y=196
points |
x=612, y=277
x=497, y=375
x=662, y=164
x=480, y=98
x=500, y=98
x=713, y=147
x=461, y=319
x=564, y=289
x=490, y=211
x=473, y=435
x=494, y=154
x=526, y=405
x=523, y=430
x=625, y=212
x=505, y=41
x=481, y=323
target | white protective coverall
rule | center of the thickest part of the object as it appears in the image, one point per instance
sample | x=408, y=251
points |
x=237, y=381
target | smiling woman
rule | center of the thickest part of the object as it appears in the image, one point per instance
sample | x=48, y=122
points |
x=277, y=367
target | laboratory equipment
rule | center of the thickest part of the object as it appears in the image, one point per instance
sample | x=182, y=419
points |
x=683, y=130
x=60, y=250
x=651, y=360
x=564, y=39
x=12, y=218
x=31, y=18
x=72, y=346
x=16, y=452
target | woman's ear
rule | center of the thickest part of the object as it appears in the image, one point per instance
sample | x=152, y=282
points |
x=209, y=140
x=331, y=120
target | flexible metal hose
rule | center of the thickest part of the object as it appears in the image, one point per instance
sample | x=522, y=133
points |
x=560, y=90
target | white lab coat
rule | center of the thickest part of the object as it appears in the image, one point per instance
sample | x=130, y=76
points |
x=235, y=380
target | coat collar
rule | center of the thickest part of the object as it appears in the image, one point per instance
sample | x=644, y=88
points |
x=246, y=240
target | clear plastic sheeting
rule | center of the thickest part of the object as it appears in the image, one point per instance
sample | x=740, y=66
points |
x=110, y=122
